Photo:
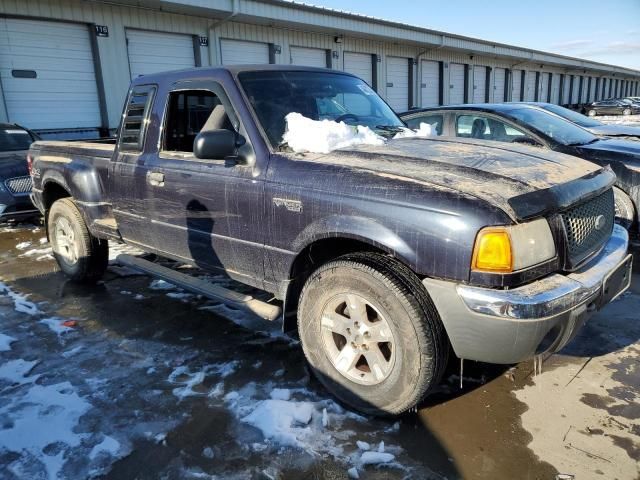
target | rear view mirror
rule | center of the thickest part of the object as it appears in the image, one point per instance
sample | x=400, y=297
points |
x=216, y=144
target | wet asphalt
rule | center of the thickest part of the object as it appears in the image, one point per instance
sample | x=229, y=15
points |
x=131, y=352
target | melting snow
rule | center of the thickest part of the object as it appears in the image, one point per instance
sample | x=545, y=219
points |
x=23, y=245
x=372, y=458
x=56, y=325
x=5, y=342
x=282, y=421
x=16, y=371
x=109, y=445
x=161, y=285
x=19, y=301
x=425, y=130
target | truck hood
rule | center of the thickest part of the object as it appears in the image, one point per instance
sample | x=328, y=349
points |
x=13, y=164
x=523, y=181
x=615, y=131
x=612, y=150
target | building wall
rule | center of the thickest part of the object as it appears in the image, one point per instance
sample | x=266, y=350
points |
x=112, y=50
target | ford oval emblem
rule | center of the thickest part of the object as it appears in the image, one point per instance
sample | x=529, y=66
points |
x=600, y=222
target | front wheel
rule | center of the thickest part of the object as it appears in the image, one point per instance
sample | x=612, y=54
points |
x=626, y=111
x=371, y=334
x=624, y=208
x=591, y=113
x=80, y=255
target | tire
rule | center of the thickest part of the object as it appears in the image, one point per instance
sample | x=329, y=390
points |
x=626, y=111
x=625, y=210
x=80, y=255
x=592, y=113
x=415, y=356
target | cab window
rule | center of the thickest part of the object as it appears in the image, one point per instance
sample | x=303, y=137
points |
x=487, y=128
x=436, y=122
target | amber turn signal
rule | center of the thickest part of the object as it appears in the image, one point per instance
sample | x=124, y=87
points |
x=492, y=251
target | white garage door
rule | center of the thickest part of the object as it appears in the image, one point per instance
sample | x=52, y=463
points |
x=46, y=68
x=152, y=52
x=516, y=85
x=498, y=84
x=359, y=64
x=584, y=94
x=530, y=89
x=456, y=83
x=566, y=99
x=555, y=88
x=575, y=98
x=398, y=83
x=239, y=52
x=309, y=57
x=430, y=83
x=479, y=84
x=544, y=88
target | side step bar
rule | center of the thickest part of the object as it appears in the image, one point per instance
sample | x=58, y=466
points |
x=239, y=300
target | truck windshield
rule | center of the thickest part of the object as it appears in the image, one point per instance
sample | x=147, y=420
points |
x=316, y=95
x=562, y=131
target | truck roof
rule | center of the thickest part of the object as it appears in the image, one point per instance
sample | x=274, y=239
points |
x=234, y=70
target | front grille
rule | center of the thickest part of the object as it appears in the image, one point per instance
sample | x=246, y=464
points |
x=19, y=184
x=588, y=226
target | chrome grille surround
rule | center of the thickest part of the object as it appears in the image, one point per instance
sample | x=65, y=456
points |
x=18, y=185
x=588, y=226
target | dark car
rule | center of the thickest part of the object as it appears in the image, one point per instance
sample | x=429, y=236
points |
x=383, y=254
x=532, y=125
x=612, y=107
x=594, y=126
x=15, y=182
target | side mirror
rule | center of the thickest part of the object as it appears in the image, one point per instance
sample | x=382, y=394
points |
x=216, y=144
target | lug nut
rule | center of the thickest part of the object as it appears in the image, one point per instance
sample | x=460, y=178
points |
x=367, y=335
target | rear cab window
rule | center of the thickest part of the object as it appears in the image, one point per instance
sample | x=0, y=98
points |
x=436, y=121
x=135, y=119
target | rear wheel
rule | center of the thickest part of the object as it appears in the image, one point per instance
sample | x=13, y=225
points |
x=591, y=113
x=371, y=333
x=626, y=111
x=80, y=255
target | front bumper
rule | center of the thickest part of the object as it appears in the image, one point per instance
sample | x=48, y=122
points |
x=508, y=326
x=16, y=207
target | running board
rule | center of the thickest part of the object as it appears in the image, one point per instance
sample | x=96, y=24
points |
x=238, y=300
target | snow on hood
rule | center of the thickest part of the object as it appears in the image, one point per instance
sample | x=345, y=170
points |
x=322, y=136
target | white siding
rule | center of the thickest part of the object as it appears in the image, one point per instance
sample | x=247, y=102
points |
x=530, y=89
x=309, y=57
x=555, y=88
x=64, y=94
x=544, y=87
x=498, y=84
x=398, y=83
x=585, y=90
x=479, y=84
x=456, y=83
x=516, y=85
x=152, y=52
x=566, y=99
x=576, y=90
x=359, y=64
x=240, y=52
x=430, y=84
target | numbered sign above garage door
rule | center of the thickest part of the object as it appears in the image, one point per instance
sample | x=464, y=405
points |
x=360, y=64
x=240, y=52
x=456, y=83
x=152, y=52
x=430, y=85
x=398, y=83
x=47, y=68
x=309, y=57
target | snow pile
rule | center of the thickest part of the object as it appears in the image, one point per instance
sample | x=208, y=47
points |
x=305, y=135
x=5, y=342
x=425, y=130
x=282, y=421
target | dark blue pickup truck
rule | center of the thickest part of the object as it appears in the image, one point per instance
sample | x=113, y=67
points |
x=384, y=258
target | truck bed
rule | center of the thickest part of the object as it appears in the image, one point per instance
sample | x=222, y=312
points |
x=97, y=149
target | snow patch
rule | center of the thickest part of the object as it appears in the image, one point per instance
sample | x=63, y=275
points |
x=56, y=325
x=20, y=302
x=281, y=394
x=374, y=458
x=425, y=130
x=23, y=245
x=282, y=421
x=5, y=342
x=190, y=383
x=305, y=135
x=109, y=445
x=161, y=285
x=16, y=371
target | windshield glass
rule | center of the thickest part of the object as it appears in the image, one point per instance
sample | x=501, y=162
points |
x=316, y=95
x=572, y=116
x=14, y=138
x=559, y=129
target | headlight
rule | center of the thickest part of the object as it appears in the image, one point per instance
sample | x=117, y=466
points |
x=512, y=248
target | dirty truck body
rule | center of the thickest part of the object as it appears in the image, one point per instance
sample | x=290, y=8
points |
x=378, y=253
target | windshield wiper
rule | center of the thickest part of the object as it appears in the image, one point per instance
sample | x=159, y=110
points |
x=390, y=128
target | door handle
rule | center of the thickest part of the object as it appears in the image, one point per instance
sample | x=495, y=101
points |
x=156, y=179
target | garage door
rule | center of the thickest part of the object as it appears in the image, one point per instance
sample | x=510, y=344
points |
x=555, y=88
x=516, y=85
x=359, y=64
x=398, y=83
x=240, y=52
x=544, y=88
x=456, y=83
x=430, y=83
x=566, y=98
x=575, y=98
x=47, y=68
x=530, y=89
x=479, y=84
x=152, y=52
x=498, y=84
x=309, y=57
